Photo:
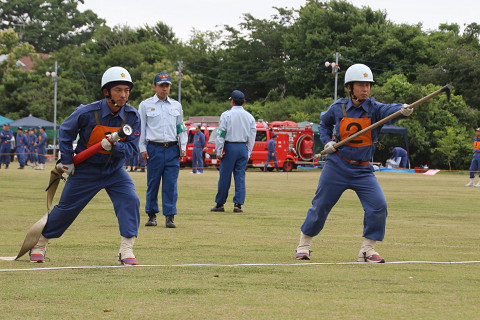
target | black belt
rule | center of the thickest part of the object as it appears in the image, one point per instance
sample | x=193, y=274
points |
x=163, y=144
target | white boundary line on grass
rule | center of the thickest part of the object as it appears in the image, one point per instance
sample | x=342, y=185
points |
x=241, y=265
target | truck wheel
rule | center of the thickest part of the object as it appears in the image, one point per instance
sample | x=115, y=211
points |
x=288, y=165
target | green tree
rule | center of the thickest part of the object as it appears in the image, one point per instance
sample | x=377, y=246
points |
x=48, y=25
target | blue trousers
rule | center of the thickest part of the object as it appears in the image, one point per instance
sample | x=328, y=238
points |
x=42, y=155
x=5, y=149
x=475, y=165
x=21, y=156
x=336, y=177
x=197, y=159
x=273, y=157
x=82, y=186
x=162, y=163
x=234, y=161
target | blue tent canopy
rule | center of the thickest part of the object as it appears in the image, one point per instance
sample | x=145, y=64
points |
x=32, y=122
x=4, y=120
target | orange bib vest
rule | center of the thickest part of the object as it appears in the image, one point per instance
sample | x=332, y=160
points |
x=349, y=126
x=99, y=132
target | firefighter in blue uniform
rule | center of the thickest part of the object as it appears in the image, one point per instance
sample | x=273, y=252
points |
x=32, y=140
x=271, y=154
x=475, y=164
x=94, y=123
x=197, y=152
x=349, y=167
x=22, y=144
x=5, y=145
x=42, y=149
x=235, y=138
x=399, y=156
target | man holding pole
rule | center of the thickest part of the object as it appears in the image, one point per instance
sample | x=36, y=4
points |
x=95, y=124
x=349, y=167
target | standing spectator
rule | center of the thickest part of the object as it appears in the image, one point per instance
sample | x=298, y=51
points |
x=6, y=136
x=42, y=149
x=163, y=140
x=197, y=153
x=475, y=164
x=94, y=123
x=32, y=140
x=272, y=153
x=21, y=148
x=234, y=144
x=349, y=167
x=399, y=157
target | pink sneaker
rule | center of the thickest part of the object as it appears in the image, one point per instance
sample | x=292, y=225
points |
x=374, y=258
x=129, y=262
x=38, y=258
x=303, y=256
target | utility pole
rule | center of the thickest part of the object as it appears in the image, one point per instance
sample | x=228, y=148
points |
x=54, y=76
x=179, y=74
x=335, y=69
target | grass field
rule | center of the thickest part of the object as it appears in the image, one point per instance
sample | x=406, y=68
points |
x=431, y=218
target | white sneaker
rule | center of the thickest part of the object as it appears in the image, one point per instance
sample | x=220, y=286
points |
x=478, y=184
x=202, y=172
x=192, y=172
x=470, y=184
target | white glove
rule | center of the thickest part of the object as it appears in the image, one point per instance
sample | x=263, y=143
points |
x=67, y=168
x=406, y=111
x=106, y=144
x=329, y=147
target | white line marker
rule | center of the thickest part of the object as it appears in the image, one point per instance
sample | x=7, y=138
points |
x=241, y=265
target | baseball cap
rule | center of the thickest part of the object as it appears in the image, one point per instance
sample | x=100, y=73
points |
x=274, y=136
x=237, y=95
x=162, y=77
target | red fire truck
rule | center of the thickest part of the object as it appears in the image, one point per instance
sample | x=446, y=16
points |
x=294, y=146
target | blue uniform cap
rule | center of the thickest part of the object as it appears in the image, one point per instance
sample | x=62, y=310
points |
x=237, y=95
x=162, y=77
x=274, y=136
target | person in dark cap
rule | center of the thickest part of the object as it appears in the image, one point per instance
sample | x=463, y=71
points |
x=475, y=164
x=197, y=152
x=163, y=141
x=5, y=145
x=42, y=149
x=22, y=144
x=272, y=153
x=234, y=142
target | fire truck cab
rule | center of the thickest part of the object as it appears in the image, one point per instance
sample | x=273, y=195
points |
x=294, y=146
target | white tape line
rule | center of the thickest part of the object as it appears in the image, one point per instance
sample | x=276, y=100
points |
x=242, y=265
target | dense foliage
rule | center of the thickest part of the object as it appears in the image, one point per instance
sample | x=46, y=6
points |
x=278, y=62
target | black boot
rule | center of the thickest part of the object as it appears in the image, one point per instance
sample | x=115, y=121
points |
x=218, y=208
x=152, y=220
x=169, y=221
x=237, y=208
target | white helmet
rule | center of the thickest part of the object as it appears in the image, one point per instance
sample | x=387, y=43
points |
x=358, y=72
x=116, y=74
